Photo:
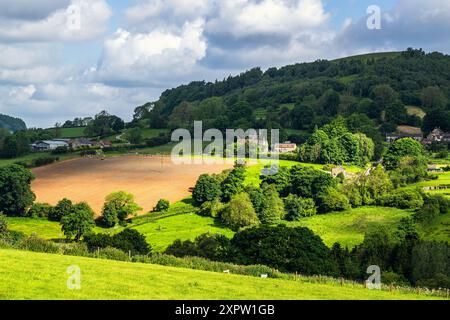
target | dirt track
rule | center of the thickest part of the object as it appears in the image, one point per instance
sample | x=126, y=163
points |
x=91, y=180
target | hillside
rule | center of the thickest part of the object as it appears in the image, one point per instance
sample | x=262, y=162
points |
x=376, y=93
x=27, y=275
x=12, y=124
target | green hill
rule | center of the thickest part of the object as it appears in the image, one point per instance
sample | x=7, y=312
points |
x=12, y=124
x=374, y=91
x=26, y=275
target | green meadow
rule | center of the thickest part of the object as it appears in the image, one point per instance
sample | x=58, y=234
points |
x=27, y=275
x=348, y=228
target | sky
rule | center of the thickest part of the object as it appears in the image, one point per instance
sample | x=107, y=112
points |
x=61, y=59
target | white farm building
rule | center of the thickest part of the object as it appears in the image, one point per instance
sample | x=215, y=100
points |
x=49, y=145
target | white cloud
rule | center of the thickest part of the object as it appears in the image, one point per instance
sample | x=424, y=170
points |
x=152, y=57
x=93, y=18
x=242, y=18
x=22, y=93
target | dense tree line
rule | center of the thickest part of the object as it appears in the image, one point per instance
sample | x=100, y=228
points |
x=309, y=95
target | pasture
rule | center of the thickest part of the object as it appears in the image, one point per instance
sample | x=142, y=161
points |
x=27, y=275
x=348, y=228
x=92, y=179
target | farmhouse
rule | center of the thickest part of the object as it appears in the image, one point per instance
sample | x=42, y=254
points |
x=286, y=147
x=81, y=143
x=337, y=171
x=44, y=145
x=437, y=135
x=434, y=168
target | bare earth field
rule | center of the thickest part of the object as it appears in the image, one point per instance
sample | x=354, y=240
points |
x=147, y=178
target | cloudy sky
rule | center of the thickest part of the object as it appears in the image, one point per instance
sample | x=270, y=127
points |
x=60, y=59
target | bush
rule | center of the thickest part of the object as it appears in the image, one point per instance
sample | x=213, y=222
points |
x=297, y=208
x=43, y=161
x=198, y=263
x=40, y=210
x=3, y=224
x=162, y=205
x=333, y=200
x=239, y=213
x=60, y=150
x=36, y=244
x=127, y=240
x=403, y=199
x=74, y=249
x=211, y=208
x=12, y=238
x=395, y=279
x=112, y=254
x=209, y=246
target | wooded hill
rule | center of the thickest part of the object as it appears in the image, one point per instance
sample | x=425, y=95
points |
x=374, y=92
x=11, y=124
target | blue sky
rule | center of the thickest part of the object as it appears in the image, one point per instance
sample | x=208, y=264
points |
x=124, y=53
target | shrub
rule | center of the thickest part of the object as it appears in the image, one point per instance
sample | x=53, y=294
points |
x=297, y=208
x=206, y=189
x=36, y=244
x=209, y=246
x=239, y=213
x=60, y=150
x=74, y=249
x=211, y=208
x=43, y=161
x=333, y=200
x=127, y=240
x=392, y=278
x=403, y=199
x=3, y=224
x=112, y=254
x=162, y=205
x=12, y=238
x=40, y=210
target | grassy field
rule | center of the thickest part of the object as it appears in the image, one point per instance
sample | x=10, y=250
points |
x=348, y=228
x=27, y=275
x=161, y=230
x=416, y=111
x=32, y=156
x=180, y=222
x=437, y=230
x=40, y=227
x=253, y=172
x=69, y=133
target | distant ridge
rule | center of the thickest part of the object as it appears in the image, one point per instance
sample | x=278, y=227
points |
x=11, y=123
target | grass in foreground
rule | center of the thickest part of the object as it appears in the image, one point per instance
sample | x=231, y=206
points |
x=27, y=275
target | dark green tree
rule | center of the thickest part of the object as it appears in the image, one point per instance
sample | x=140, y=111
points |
x=16, y=195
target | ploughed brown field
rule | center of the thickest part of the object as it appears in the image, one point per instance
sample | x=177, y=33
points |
x=91, y=180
